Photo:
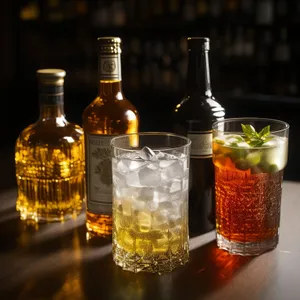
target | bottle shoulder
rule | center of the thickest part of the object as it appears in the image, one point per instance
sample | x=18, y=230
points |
x=198, y=105
x=196, y=114
x=100, y=104
x=51, y=133
x=114, y=109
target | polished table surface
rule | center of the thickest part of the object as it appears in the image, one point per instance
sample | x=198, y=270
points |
x=55, y=261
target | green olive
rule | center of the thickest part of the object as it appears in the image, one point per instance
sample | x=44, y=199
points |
x=242, y=164
x=273, y=168
x=237, y=154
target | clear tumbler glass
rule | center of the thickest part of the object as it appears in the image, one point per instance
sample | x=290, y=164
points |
x=249, y=155
x=150, y=201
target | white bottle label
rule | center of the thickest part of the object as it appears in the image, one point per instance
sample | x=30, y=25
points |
x=99, y=173
x=201, y=143
x=110, y=67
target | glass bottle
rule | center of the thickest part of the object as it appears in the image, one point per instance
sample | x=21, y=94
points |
x=108, y=115
x=49, y=157
x=193, y=117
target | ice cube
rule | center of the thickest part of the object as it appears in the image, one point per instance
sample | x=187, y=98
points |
x=177, y=154
x=116, y=196
x=147, y=154
x=143, y=246
x=152, y=205
x=161, y=245
x=129, y=192
x=233, y=140
x=271, y=143
x=174, y=170
x=166, y=205
x=168, y=159
x=117, y=192
x=126, y=207
x=175, y=221
x=127, y=239
x=160, y=220
x=146, y=194
x=166, y=163
x=136, y=165
x=144, y=220
x=138, y=204
x=148, y=177
x=160, y=197
x=159, y=154
x=126, y=165
x=153, y=166
x=277, y=153
x=118, y=179
x=132, y=155
x=273, y=156
x=176, y=186
x=243, y=145
x=132, y=179
x=177, y=197
x=123, y=166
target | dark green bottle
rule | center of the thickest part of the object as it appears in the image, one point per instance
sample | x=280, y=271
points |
x=193, y=117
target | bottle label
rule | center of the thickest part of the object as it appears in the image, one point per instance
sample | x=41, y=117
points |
x=201, y=143
x=99, y=173
x=51, y=95
x=110, y=67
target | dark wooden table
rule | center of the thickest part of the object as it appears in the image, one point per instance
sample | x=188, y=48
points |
x=55, y=261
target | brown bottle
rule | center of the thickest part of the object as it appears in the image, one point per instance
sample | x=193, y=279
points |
x=108, y=115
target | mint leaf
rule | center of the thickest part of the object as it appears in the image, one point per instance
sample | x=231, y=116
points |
x=255, y=139
x=256, y=143
x=249, y=130
x=268, y=138
x=264, y=132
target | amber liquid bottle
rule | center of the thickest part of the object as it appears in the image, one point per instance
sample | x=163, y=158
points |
x=193, y=117
x=110, y=114
x=49, y=157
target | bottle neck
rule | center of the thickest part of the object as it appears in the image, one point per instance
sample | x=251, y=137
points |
x=110, y=88
x=110, y=74
x=198, y=75
x=51, y=102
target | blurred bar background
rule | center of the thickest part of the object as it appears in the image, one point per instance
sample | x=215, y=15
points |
x=254, y=56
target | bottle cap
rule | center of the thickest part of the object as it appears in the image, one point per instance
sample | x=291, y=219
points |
x=51, y=76
x=198, y=43
x=109, y=45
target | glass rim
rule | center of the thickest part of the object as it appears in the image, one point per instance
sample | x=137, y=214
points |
x=255, y=119
x=151, y=133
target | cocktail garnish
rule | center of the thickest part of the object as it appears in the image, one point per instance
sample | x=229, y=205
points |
x=256, y=139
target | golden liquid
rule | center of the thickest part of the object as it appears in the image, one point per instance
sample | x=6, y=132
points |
x=50, y=170
x=109, y=114
x=140, y=245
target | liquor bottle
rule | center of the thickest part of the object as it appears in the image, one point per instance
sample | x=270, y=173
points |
x=108, y=115
x=49, y=157
x=193, y=117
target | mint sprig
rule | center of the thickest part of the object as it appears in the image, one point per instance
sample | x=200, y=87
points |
x=256, y=139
